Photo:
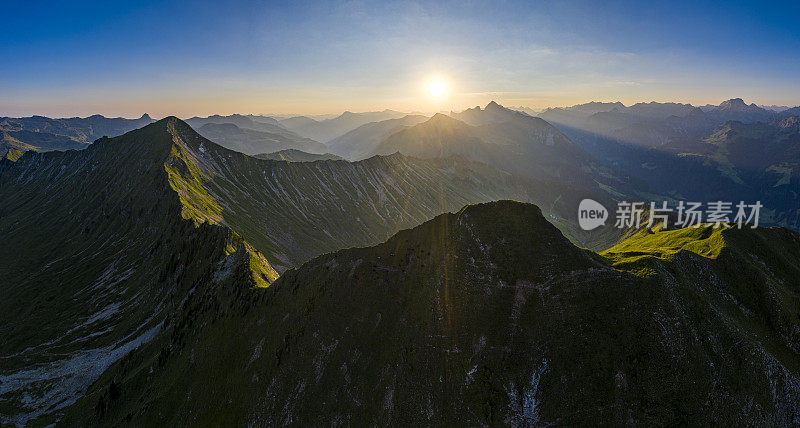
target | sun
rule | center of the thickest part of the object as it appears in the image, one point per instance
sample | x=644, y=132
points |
x=437, y=89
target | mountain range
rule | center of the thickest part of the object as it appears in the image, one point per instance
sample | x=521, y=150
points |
x=39, y=133
x=486, y=316
x=120, y=234
x=734, y=151
x=329, y=129
x=505, y=139
x=361, y=142
x=294, y=155
x=413, y=270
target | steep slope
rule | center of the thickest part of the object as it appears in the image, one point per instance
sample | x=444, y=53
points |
x=361, y=142
x=327, y=130
x=252, y=142
x=293, y=211
x=486, y=316
x=292, y=155
x=95, y=255
x=102, y=246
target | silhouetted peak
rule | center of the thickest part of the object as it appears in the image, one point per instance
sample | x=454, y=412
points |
x=441, y=118
x=733, y=103
x=494, y=106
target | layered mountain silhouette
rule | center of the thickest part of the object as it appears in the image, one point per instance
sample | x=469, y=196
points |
x=486, y=316
x=157, y=277
x=733, y=151
x=252, y=135
x=252, y=142
x=39, y=133
x=293, y=155
x=100, y=246
x=14, y=143
x=504, y=138
x=329, y=129
x=361, y=142
x=492, y=113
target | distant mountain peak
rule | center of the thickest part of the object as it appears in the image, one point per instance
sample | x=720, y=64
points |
x=733, y=104
x=440, y=118
x=493, y=105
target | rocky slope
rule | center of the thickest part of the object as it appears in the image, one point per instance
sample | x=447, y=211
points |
x=100, y=246
x=95, y=253
x=487, y=316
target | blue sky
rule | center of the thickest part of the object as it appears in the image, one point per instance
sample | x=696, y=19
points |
x=186, y=58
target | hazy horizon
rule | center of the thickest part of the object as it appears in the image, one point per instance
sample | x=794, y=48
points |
x=328, y=115
x=200, y=58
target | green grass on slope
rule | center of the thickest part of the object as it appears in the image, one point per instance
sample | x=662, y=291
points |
x=95, y=252
x=14, y=154
x=484, y=317
x=706, y=241
x=750, y=278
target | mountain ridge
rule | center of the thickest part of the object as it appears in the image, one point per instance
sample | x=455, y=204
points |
x=120, y=234
x=483, y=316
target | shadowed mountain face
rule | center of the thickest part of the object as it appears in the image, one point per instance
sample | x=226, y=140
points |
x=683, y=152
x=506, y=139
x=329, y=129
x=733, y=161
x=361, y=142
x=41, y=134
x=612, y=118
x=292, y=155
x=252, y=142
x=257, y=123
x=14, y=143
x=100, y=246
x=493, y=113
x=293, y=211
x=649, y=124
x=94, y=254
x=252, y=134
x=486, y=316
x=141, y=286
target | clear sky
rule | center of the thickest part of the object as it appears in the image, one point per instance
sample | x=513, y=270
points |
x=187, y=58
